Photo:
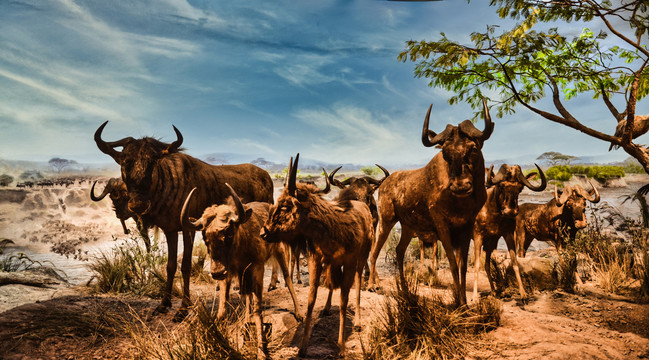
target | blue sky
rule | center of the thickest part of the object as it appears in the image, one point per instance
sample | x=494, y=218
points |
x=265, y=78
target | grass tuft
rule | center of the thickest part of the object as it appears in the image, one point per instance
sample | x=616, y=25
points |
x=413, y=326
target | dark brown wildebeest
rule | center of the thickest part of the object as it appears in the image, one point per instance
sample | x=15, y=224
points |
x=158, y=178
x=443, y=197
x=555, y=220
x=497, y=218
x=116, y=190
x=338, y=235
x=232, y=236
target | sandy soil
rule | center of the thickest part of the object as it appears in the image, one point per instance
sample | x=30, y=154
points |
x=554, y=324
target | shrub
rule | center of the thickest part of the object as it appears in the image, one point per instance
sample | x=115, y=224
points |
x=412, y=326
x=559, y=172
x=371, y=170
x=129, y=268
x=603, y=173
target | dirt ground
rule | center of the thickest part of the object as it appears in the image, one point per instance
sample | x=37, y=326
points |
x=64, y=321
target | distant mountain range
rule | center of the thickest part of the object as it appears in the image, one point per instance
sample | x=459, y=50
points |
x=306, y=164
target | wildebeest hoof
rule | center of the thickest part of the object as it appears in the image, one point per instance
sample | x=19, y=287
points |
x=299, y=281
x=299, y=317
x=373, y=288
x=180, y=315
x=161, y=309
x=325, y=312
x=272, y=287
x=357, y=328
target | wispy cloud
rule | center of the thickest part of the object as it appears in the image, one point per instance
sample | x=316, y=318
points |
x=348, y=133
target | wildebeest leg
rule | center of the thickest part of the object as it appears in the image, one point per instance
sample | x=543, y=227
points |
x=477, y=251
x=283, y=265
x=358, y=279
x=526, y=245
x=462, y=255
x=262, y=345
x=126, y=231
x=445, y=238
x=274, y=276
x=487, y=267
x=172, y=264
x=348, y=280
x=404, y=241
x=186, y=269
x=327, y=307
x=382, y=233
x=144, y=233
x=435, y=255
x=509, y=239
x=224, y=292
x=294, y=262
x=315, y=269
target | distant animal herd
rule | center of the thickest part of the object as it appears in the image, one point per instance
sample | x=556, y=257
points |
x=452, y=199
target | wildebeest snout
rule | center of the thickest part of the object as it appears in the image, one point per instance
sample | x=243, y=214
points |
x=462, y=187
x=218, y=270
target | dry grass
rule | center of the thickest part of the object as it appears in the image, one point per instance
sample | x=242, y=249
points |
x=413, y=326
x=129, y=268
x=200, y=336
x=423, y=274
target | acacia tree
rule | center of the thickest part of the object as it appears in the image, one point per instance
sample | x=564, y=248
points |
x=524, y=64
x=556, y=158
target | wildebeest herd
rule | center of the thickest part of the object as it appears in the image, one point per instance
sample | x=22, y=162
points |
x=452, y=199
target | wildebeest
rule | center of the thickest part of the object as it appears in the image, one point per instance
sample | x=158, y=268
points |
x=497, y=218
x=338, y=234
x=116, y=189
x=559, y=218
x=159, y=176
x=361, y=188
x=443, y=197
x=232, y=236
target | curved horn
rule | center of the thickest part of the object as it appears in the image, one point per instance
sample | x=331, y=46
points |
x=488, y=124
x=292, y=176
x=173, y=147
x=334, y=181
x=328, y=187
x=426, y=134
x=103, y=194
x=241, y=212
x=490, y=176
x=184, y=218
x=523, y=179
x=108, y=147
x=594, y=197
x=386, y=172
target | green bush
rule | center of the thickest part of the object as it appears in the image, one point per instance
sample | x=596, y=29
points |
x=370, y=170
x=559, y=172
x=600, y=173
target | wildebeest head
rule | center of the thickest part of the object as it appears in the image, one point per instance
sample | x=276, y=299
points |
x=286, y=215
x=219, y=224
x=116, y=190
x=137, y=160
x=362, y=187
x=461, y=148
x=508, y=184
x=573, y=203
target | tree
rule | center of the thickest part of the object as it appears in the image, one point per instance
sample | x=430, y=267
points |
x=59, y=164
x=523, y=64
x=556, y=158
x=5, y=180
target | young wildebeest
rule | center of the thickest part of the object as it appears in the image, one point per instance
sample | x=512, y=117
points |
x=232, y=236
x=338, y=234
x=116, y=190
x=561, y=217
x=158, y=178
x=443, y=197
x=498, y=218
